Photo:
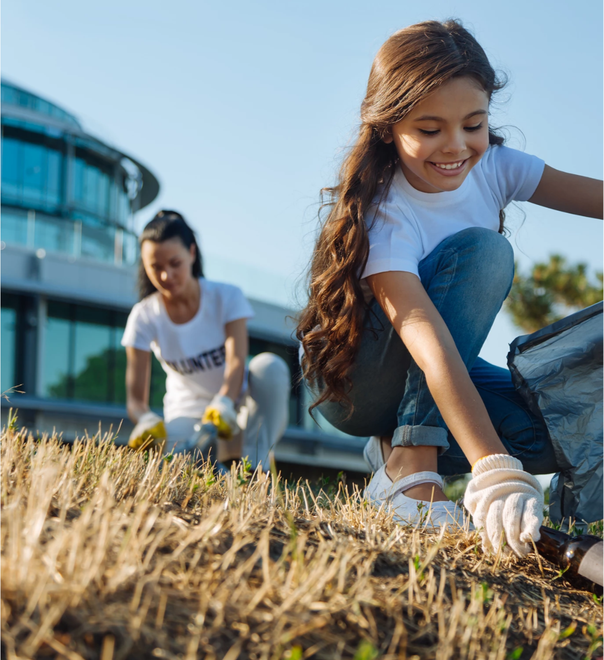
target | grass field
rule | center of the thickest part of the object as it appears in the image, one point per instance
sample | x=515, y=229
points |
x=112, y=554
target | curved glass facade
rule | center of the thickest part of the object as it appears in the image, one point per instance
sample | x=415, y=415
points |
x=12, y=95
x=62, y=190
x=32, y=173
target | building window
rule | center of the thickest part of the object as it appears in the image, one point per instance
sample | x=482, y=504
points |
x=97, y=240
x=123, y=206
x=129, y=248
x=9, y=342
x=37, y=230
x=93, y=354
x=53, y=234
x=58, y=339
x=32, y=172
x=86, y=362
x=18, y=342
x=14, y=225
x=33, y=182
x=12, y=170
x=93, y=181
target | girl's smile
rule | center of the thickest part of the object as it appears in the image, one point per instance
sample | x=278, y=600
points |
x=444, y=136
x=450, y=169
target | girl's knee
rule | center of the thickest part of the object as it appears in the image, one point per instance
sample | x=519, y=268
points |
x=493, y=248
x=491, y=257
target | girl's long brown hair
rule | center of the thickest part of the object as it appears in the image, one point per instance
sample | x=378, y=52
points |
x=412, y=64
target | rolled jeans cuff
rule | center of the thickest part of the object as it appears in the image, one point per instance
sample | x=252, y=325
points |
x=414, y=436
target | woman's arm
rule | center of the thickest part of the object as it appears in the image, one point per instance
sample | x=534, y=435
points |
x=138, y=380
x=236, y=346
x=569, y=193
x=428, y=340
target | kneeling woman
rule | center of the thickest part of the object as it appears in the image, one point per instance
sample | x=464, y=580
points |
x=197, y=330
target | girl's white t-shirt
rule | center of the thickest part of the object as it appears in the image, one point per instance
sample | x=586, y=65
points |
x=192, y=354
x=408, y=224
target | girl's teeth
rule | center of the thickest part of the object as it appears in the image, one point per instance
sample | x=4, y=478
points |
x=448, y=166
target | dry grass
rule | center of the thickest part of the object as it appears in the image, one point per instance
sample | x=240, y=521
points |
x=112, y=554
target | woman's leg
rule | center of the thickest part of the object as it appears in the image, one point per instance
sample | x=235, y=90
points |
x=267, y=404
x=524, y=434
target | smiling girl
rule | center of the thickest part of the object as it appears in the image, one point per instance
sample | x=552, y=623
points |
x=408, y=274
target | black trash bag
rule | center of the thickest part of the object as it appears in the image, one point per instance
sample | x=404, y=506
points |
x=558, y=372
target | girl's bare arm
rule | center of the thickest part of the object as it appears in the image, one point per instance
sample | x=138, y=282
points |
x=570, y=193
x=236, y=346
x=138, y=381
x=428, y=340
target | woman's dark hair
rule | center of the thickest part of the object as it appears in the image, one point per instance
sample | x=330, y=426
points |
x=164, y=226
x=411, y=65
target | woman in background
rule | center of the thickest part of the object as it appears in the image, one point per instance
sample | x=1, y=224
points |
x=197, y=330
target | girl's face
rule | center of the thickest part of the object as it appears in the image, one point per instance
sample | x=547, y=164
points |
x=169, y=266
x=444, y=136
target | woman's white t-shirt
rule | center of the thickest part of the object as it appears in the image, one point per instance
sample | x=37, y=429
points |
x=408, y=224
x=192, y=354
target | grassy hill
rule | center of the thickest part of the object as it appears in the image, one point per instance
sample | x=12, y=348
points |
x=112, y=554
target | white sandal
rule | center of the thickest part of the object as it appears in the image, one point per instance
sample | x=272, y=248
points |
x=383, y=491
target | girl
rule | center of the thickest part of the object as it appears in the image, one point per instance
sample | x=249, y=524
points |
x=408, y=274
x=197, y=330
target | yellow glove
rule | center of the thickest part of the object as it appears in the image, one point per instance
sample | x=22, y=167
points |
x=149, y=432
x=221, y=412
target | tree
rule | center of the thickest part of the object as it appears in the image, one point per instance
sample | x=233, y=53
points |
x=550, y=292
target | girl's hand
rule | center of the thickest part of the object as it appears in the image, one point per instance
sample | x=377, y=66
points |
x=150, y=432
x=506, y=504
x=221, y=412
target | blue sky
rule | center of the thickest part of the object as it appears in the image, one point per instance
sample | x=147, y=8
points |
x=242, y=109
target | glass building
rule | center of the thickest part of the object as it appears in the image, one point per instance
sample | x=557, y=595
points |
x=69, y=255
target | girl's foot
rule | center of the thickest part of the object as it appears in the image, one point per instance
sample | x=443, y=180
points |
x=408, y=510
x=403, y=465
x=377, y=452
x=430, y=491
x=426, y=492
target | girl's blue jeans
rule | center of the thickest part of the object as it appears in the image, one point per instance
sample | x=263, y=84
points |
x=467, y=277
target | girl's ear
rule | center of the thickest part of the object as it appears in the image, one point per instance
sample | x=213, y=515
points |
x=192, y=250
x=387, y=136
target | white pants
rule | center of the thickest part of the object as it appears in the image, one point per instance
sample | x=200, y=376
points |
x=262, y=415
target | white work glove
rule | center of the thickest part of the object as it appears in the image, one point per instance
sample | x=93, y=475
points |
x=506, y=504
x=149, y=432
x=221, y=412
